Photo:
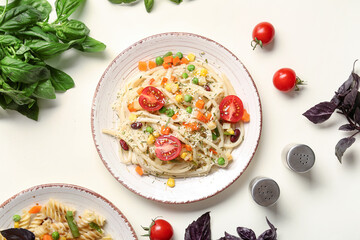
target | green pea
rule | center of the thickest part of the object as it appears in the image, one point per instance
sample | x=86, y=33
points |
x=179, y=54
x=189, y=109
x=221, y=161
x=149, y=129
x=55, y=235
x=162, y=110
x=185, y=75
x=170, y=112
x=16, y=218
x=195, y=80
x=188, y=98
x=214, y=137
x=168, y=54
x=159, y=61
x=191, y=67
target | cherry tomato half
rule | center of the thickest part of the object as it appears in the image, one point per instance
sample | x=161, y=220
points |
x=161, y=230
x=151, y=99
x=231, y=109
x=167, y=147
x=262, y=34
x=285, y=80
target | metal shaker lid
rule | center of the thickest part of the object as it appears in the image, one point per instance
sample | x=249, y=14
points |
x=300, y=158
x=264, y=191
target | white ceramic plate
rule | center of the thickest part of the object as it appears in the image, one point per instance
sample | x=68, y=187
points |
x=103, y=117
x=80, y=198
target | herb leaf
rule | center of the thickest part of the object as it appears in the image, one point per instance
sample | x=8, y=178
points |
x=18, y=18
x=347, y=127
x=64, y=8
x=149, y=5
x=320, y=112
x=199, y=229
x=269, y=234
x=246, y=233
x=342, y=145
x=229, y=237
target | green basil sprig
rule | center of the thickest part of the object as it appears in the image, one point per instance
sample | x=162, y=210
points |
x=148, y=3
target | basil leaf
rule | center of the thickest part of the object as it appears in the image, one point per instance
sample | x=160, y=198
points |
x=199, y=229
x=45, y=90
x=347, y=127
x=269, y=234
x=17, y=96
x=71, y=30
x=64, y=8
x=43, y=6
x=90, y=45
x=122, y=1
x=9, y=40
x=246, y=233
x=30, y=112
x=60, y=80
x=320, y=112
x=176, y=1
x=37, y=32
x=342, y=145
x=46, y=49
x=19, y=18
x=19, y=71
x=149, y=5
x=229, y=237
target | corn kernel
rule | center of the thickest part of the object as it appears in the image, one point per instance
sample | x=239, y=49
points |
x=228, y=156
x=168, y=87
x=170, y=182
x=190, y=158
x=156, y=134
x=179, y=98
x=203, y=72
x=202, y=81
x=183, y=155
x=191, y=57
x=151, y=139
x=16, y=224
x=174, y=88
x=62, y=238
x=132, y=117
x=211, y=125
x=230, y=131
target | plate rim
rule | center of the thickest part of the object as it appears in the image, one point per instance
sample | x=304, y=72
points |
x=92, y=118
x=71, y=186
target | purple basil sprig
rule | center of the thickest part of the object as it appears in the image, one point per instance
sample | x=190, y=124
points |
x=347, y=101
x=199, y=229
x=248, y=234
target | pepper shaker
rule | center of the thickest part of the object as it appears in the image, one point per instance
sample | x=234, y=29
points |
x=264, y=191
x=299, y=158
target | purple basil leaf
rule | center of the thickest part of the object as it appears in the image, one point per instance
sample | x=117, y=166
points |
x=246, y=233
x=269, y=234
x=199, y=229
x=342, y=145
x=229, y=237
x=17, y=234
x=349, y=100
x=357, y=115
x=345, y=87
x=320, y=112
x=347, y=127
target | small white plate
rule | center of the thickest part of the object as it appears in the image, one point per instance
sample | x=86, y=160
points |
x=78, y=197
x=125, y=65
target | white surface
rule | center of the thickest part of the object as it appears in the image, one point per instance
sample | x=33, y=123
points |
x=124, y=68
x=318, y=39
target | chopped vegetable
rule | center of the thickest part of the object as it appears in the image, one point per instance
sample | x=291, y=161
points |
x=194, y=126
x=188, y=98
x=16, y=224
x=142, y=66
x=72, y=224
x=149, y=129
x=16, y=218
x=203, y=72
x=131, y=107
x=152, y=64
x=170, y=182
x=35, y=209
x=176, y=61
x=184, y=75
x=165, y=130
x=188, y=147
x=191, y=67
x=170, y=112
x=162, y=110
x=166, y=65
x=189, y=109
x=167, y=147
x=132, y=117
x=221, y=161
x=246, y=116
x=168, y=59
x=175, y=116
x=179, y=54
x=168, y=54
x=96, y=227
x=156, y=134
x=140, y=90
x=201, y=117
x=195, y=80
x=47, y=237
x=159, y=61
x=184, y=61
x=55, y=235
x=151, y=139
x=151, y=81
x=139, y=170
x=200, y=104
x=191, y=57
x=179, y=98
x=213, y=151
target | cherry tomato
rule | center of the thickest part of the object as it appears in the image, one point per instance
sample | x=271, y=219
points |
x=151, y=99
x=263, y=34
x=167, y=147
x=161, y=230
x=231, y=109
x=285, y=80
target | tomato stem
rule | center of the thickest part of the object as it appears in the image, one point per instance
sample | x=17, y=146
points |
x=298, y=82
x=256, y=42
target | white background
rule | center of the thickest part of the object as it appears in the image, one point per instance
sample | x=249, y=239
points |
x=318, y=39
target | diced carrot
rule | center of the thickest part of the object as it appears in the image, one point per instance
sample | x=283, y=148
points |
x=193, y=126
x=208, y=117
x=46, y=237
x=163, y=81
x=139, y=170
x=165, y=130
x=176, y=61
x=139, y=91
x=245, y=117
x=168, y=59
x=131, y=107
x=184, y=61
x=142, y=66
x=152, y=64
x=35, y=209
x=151, y=81
x=200, y=104
x=188, y=147
x=175, y=116
x=201, y=117
x=213, y=151
x=167, y=65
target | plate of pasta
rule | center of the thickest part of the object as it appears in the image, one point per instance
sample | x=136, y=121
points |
x=63, y=211
x=173, y=113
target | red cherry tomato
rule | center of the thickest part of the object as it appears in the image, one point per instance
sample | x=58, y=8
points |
x=161, y=230
x=167, y=147
x=263, y=34
x=151, y=99
x=285, y=80
x=231, y=109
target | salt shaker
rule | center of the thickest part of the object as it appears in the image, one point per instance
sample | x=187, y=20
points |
x=264, y=191
x=299, y=158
